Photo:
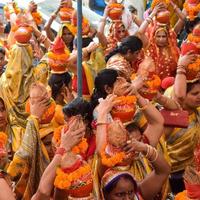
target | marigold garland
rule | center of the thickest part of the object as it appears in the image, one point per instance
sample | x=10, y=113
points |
x=156, y=2
x=64, y=180
x=154, y=82
x=124, y=100
x=37, y=17
x=111, y=161
x=195, y=66
x=193, y=38
x=191, y=10
x=62, y=57
x=181, y=196
x=80, y=148
x=3, y=138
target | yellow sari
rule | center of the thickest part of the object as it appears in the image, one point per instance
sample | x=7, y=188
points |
x=30, y=160
x=181, y=143
x=14, y=89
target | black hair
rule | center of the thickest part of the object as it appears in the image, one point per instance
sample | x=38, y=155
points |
x=3, y=51
x=133, y=127
x=189, y=25
x=85, y=41
x=109, y=187
x=78, y=106
x=191, y=85
x=57, y=81
x=132, y=43
x=132, y=9
x=105, y=77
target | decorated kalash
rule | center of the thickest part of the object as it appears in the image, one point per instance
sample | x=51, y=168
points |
x=152, y=82
x=192, y=44
x=115, y=15
x=74, y=175
x=61, y=60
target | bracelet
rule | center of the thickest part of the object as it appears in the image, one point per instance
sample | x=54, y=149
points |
x=181, y=72
x=101, y=123
x=152, y=153
x=60, y=151
x=180, y=67
x=148, y=151
x=156, y=156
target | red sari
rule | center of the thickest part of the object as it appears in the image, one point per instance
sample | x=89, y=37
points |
x=165, y=58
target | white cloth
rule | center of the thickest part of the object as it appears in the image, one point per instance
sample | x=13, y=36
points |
x=138, y=4
x=128, y=22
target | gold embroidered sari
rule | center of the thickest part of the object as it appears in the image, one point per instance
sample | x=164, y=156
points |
x=30, y=160
x=181, y=143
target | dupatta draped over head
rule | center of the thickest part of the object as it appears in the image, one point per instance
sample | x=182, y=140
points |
x=165, y=59
x=14, y=89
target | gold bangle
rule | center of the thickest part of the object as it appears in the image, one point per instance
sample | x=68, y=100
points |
x=148, y=151
x=156, y=156
x=181, y=72
x=101, y=123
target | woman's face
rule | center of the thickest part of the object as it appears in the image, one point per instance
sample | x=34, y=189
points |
x=3, y=116
x=124, y=190
x=192, y=99
x=47, y=140
x=132, y=56
x=121, y=32
x=161, y=39
x=67, y=36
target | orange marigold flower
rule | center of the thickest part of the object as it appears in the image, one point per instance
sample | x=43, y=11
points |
x=181, y=196
x=64, y=181
x=111, y=161
x=3, y=138
x=192, y=11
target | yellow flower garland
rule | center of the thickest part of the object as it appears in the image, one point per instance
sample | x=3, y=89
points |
x=64, y=180
x=191, y=10
x=156, y=2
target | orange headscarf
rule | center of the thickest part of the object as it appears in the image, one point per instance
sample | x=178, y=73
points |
x=113, y=38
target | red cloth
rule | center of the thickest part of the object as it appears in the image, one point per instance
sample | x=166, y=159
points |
x=91, y=146
x=167, y=82
x=193, y=191
x=84, y=85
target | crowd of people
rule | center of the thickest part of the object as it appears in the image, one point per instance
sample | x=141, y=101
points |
x=135, y=131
